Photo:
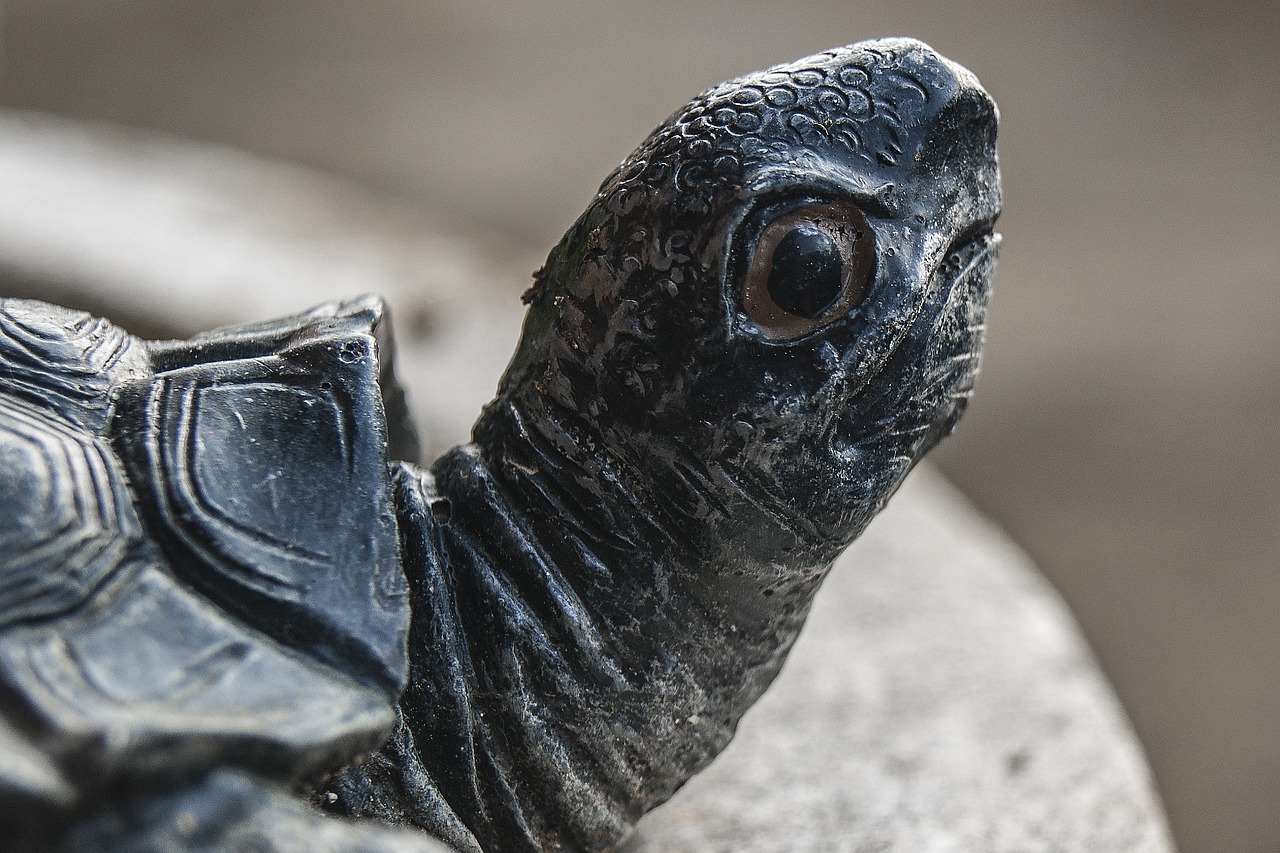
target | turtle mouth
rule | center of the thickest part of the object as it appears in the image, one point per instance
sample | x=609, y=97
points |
x=916, y=397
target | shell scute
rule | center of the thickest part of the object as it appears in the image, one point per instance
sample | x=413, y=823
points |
x=66, y=518
x=260, y=456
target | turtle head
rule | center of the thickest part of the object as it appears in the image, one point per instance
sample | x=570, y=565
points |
x=774, y=307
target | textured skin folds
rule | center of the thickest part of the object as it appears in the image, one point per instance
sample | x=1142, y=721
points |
x=224, y=576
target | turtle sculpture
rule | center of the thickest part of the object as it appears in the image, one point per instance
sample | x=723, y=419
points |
x=235, y=613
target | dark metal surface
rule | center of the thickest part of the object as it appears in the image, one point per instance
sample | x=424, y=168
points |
x=767, y=315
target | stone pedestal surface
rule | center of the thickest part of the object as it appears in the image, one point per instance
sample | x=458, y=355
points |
x=940, y=698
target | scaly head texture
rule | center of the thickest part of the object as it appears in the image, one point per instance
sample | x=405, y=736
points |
x=652, y=335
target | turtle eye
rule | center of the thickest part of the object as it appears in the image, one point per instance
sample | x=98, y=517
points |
x=809, y=266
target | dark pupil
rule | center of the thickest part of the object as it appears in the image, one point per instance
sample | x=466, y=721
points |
x=807, y=272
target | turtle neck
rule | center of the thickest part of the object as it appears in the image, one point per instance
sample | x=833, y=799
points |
x=568, y=670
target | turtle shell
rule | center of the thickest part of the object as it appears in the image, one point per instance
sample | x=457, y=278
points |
x=260, y=458
x=198, y=555
x=66, y=516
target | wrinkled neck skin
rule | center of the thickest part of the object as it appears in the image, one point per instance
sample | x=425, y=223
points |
x=619, y=653
x=569, y=671
x=571, y=667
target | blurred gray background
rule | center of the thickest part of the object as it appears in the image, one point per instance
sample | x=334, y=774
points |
x=1125, y=427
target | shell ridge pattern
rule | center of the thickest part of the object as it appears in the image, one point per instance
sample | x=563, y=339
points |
x=151, y=677
x=66, y=517
x=106, y=658
x=303, y=520
x=64, y=359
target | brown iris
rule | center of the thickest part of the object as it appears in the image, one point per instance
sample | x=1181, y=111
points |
x=810, y=265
